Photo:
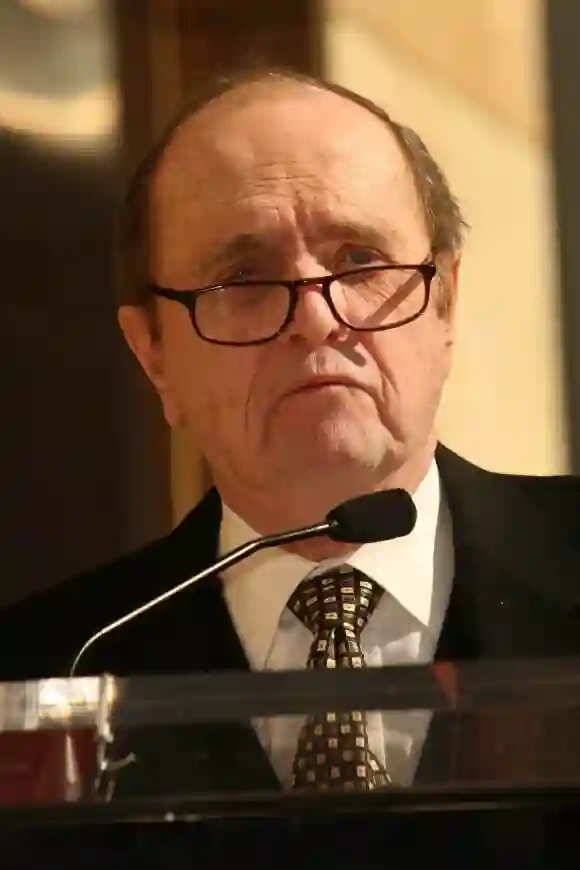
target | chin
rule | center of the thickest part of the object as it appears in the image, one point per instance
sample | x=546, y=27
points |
x=353, y=444
x=340, y=456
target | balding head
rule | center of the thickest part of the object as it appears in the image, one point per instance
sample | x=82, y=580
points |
x=285, y=146
x=441, y=210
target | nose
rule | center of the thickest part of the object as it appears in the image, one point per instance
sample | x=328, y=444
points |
x=313, y=321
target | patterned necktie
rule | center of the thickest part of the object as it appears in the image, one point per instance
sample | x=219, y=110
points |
x=333, y=748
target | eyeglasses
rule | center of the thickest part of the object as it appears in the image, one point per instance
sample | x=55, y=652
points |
x=369, y=299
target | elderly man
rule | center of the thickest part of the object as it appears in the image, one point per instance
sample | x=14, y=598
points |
x=290, y=262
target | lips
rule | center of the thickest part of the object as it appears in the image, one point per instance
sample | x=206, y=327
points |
x=321, y=381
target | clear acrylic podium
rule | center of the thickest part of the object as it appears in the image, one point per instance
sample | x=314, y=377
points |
x=81, y=758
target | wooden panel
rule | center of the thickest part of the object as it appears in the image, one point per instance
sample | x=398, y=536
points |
x=219, y=33
x=78, y=482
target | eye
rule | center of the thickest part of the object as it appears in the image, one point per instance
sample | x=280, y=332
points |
x=239, y=273
x=355, y=257
x=254, y=270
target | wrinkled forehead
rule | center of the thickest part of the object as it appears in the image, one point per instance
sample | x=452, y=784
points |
x=294, y=145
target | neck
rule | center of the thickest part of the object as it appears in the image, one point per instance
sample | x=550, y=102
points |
x=296, y=507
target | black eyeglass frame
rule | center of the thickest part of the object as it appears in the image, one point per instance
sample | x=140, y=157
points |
x=427, y=269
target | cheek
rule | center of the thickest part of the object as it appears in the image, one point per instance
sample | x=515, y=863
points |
x=211, y=385
x=413, y=359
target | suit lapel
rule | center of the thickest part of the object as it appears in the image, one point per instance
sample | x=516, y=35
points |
x=516, y=580
x=515, y=594
x=192, y=631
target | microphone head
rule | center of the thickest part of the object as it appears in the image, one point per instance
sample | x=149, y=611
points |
x=377, y=516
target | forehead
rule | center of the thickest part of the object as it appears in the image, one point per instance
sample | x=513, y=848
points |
x=280, y=154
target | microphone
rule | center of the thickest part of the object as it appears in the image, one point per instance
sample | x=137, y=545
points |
x=377, y=516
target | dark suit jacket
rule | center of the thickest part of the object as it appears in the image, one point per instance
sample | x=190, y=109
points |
x=516, y=593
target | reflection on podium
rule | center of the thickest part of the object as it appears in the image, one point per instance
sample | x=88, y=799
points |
x=503, y=740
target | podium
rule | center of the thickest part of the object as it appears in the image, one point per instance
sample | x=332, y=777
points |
x=172, y=771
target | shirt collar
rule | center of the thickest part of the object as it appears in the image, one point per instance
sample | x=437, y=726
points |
x=258, y=588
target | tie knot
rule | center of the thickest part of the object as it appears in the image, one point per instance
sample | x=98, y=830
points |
x=343, y=597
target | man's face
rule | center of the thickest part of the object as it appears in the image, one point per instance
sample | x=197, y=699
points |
x=288, y=183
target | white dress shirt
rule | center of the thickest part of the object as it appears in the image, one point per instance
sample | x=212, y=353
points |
x=416, y=573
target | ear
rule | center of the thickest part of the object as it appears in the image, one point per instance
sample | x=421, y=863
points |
x=452, y=270
x=455, y=271
x=135, y=323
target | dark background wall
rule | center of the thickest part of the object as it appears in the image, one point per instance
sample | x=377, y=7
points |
x=77, y=423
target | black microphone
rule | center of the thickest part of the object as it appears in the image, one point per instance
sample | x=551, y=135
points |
x=377, y=516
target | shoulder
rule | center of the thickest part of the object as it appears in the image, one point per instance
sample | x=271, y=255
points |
x=550, y=485
x=39, y=631
x=557, y=495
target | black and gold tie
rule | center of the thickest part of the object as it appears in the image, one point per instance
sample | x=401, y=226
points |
x=333, y=748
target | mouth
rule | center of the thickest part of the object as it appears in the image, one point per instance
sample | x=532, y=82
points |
x=319, y=382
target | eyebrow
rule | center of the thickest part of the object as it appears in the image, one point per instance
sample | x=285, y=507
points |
x=238, y=246
x=365, y=232
x=247, y=243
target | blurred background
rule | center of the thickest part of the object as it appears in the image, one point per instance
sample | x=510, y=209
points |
x=88, y=469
